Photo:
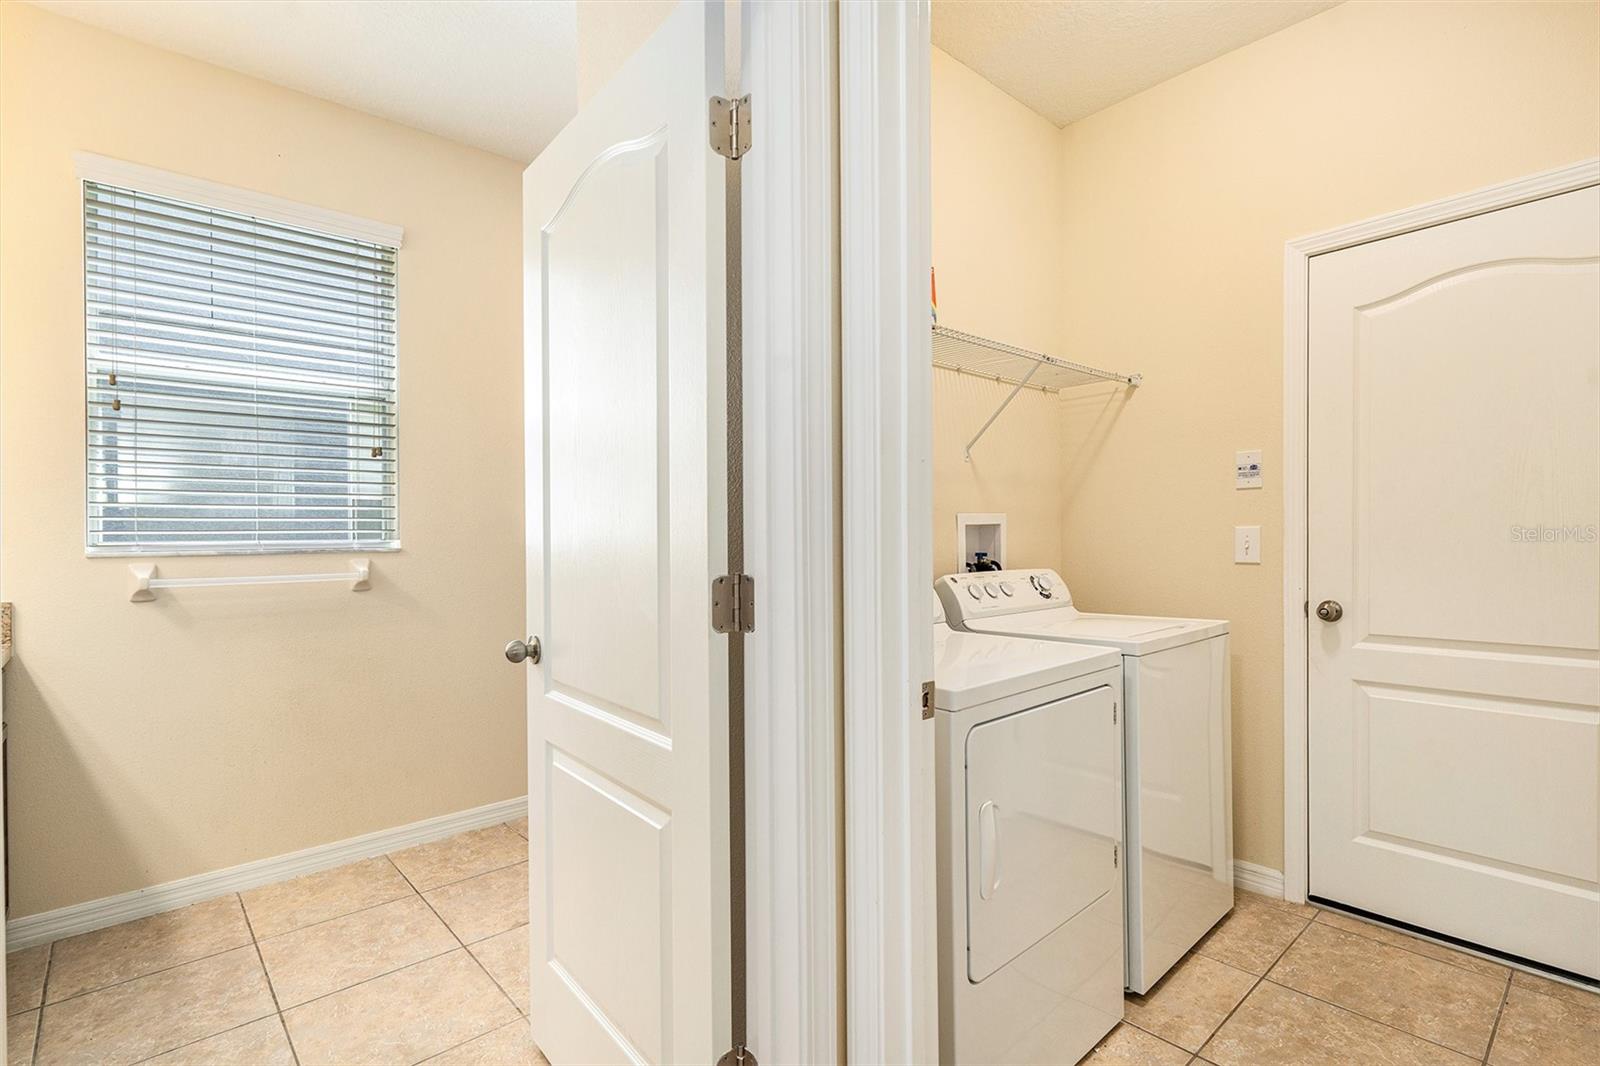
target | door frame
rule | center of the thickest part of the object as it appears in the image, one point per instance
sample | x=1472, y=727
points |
x=1296, y=475
x=789, y=290
x=887, y=536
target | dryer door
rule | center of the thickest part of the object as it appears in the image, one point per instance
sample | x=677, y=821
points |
x=1043, y=809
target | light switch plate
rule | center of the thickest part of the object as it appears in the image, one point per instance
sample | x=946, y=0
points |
x=1247, y=469
x=1247, y=544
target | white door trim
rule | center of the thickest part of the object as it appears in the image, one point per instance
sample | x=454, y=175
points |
x=886, y=390
x=1296, y=275
x=790, y=353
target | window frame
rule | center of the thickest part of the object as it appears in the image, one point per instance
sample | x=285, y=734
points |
x=208, y=194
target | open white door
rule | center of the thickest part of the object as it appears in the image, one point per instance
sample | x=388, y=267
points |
x=624, y=262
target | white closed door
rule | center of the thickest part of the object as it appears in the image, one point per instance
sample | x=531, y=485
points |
x=1454, y=473
x=624, y=262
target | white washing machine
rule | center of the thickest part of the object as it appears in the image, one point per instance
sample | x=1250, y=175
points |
x=1177, y=762
x=1029, y=765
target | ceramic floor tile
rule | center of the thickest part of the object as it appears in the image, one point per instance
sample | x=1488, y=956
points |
x=150, y=1015
x=107, y=956
x=1540, y=1030
x=461, y=856
x=509, y=1045
x=261, y=1043
x=1423, y=996
x=25, y=978
x=402, y=1017
x=1276, y=1026
x=482, y=906
x=506, y=958
x=331, y=955
x=1188, y=1004
x=1253, y=934
x=1398, y=939
x=1305, y=910
x=21, y=1030
x=326, y=894
x=520, y=825
x=1127, y=1045
x=1578, y=997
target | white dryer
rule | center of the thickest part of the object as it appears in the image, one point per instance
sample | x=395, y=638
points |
x=1029, y=811
x=1177, y=762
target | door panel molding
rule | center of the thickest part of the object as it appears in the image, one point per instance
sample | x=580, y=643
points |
x=1296, y=397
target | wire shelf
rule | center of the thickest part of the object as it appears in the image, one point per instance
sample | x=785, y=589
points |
x=967, y=354
x=1017, y=367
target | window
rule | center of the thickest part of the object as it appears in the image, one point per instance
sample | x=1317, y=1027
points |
x=241, y=381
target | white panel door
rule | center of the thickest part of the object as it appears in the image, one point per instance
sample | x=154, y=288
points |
x=625, y=256
x=1454, y=469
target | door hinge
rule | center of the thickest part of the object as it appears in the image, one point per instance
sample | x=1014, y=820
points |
x=738, y=1055
x=730, y=126
x=733, y=604
x=1305, y=608
x=927, y=700
x=1116, y=856
x=1113, y=712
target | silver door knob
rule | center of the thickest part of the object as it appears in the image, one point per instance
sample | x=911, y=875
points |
x=1330, y=611
x=524, y=650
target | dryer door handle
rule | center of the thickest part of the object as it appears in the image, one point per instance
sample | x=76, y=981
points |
x=988, y=849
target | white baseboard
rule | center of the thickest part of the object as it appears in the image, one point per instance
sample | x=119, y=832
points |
x=1258, y=879
x=99, y=913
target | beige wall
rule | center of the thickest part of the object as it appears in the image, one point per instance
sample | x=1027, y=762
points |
x=1174, y=209
x=609, y=31
x=211, y=727
x=996, y=212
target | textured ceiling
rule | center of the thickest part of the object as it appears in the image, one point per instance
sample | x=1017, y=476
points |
x=500, y=75
x=1069, y=58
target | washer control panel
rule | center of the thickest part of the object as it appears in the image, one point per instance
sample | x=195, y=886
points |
x=993, y=592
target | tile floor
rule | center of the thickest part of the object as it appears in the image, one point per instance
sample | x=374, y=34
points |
x=1285, y=984
x=421, y=956
x=416, y=956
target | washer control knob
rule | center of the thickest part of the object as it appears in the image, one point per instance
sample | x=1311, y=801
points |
x=1044, y=582
x=972, y=590
x=1005, y=587
x=991, y=590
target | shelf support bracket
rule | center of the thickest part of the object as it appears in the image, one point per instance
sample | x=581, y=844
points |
x=1003, y=405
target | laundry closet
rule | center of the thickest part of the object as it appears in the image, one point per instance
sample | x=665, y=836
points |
x=1155, y=433
x=1084, y=812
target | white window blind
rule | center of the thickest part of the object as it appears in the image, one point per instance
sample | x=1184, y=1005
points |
x=241, y=381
